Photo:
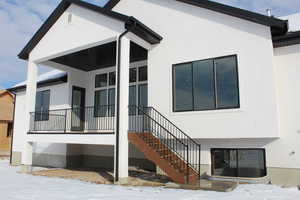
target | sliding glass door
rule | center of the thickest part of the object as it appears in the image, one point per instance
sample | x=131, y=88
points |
x=224, y=162
x=249, y=163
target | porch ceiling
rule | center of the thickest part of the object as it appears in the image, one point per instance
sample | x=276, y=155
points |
x=99, y=57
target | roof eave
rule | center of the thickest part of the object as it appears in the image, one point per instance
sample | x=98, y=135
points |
x=6, y=92
x=45, y=83
x=292, y=38
x=278, y=26
x=24, y=54
x=111, y=4
x=149, y=35
x=138, y=28
x=60, y=9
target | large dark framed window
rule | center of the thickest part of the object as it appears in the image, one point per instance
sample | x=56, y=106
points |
x=247, y=163
x=206, y=85
x=42, y=103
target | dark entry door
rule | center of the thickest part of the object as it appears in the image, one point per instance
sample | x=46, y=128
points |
x=78, y=109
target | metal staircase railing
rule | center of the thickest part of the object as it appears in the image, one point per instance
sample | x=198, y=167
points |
x=149, y=120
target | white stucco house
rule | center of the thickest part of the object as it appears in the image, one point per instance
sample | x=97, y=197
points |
x=187, y=87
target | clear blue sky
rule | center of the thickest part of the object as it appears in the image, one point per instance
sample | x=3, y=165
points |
x=20, y=19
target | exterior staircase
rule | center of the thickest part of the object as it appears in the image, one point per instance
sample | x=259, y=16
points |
x=165, y=145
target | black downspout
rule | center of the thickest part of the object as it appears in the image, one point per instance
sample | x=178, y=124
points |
x=118, y=107
x=13, y=127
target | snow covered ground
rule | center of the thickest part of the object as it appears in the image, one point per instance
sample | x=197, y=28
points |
x=15, y=186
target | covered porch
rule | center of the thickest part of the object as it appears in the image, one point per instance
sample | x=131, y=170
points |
x=90, y=105
x=98, y=49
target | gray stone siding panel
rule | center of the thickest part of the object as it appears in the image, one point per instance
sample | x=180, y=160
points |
x=49, y=160
x=16, y=158
x=284, y=177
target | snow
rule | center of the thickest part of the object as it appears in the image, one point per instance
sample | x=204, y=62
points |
x=16, y=186
x=294, y=22
x=46, y=76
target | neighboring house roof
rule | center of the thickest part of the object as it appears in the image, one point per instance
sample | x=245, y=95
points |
x=3, y=92
x=294, y=21
x=293, y=36
x=53, y=77
x=131, y=24
x=278, y=26
x=6, y=106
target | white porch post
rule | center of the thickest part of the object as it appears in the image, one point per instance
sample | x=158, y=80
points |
x=32, y=74
x=123, y=109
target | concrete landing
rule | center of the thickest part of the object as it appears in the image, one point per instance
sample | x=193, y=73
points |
x=136, y=177
x=217, y=186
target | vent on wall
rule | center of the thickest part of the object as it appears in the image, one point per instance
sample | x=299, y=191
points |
x=70, y=18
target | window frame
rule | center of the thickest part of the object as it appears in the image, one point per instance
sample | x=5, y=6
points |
x=137, y=83
x=106, y=88
x=41, y=119
x=107, y=80
x=237, y=168
x=215, y=86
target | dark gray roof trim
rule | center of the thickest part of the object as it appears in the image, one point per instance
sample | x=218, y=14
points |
x=45, y=83
x=110, y=4
x=291, y=38
x=278, y=26
x=131, y=24
x=141, y=30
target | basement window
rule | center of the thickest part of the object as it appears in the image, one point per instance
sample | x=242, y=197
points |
x=246, y=163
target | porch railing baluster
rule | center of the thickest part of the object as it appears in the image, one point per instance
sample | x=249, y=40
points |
x=88, y=119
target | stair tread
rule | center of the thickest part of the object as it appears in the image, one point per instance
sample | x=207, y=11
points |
x=164, y=157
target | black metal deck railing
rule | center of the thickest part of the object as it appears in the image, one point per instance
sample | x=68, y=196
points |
x=87, y=119
x=151, y=121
